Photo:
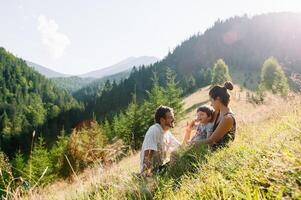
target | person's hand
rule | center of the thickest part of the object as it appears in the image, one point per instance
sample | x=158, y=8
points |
x=195, y=143
x=147, y=173
x=191, y=124
x=173, y=158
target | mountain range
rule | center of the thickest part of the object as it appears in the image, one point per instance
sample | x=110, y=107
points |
x=124, y=65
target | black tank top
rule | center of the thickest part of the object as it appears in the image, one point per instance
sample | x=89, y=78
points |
x=229, y=136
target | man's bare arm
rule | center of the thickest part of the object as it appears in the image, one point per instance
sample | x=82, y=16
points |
x=147, y=161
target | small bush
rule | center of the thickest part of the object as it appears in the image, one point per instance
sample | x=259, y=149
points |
x=86, y=146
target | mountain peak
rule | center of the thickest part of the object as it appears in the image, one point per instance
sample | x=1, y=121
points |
x=48, y=73
x=126, y=64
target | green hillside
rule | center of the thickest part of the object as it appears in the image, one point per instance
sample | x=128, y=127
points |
x=262, y=163
x=29, y=102
x=243, y=43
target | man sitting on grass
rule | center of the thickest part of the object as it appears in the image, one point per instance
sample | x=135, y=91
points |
x=158, y=141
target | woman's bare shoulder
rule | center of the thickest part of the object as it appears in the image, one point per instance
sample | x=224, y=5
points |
x=227, y=119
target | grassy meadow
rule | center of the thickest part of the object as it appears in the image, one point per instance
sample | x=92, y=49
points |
x=264, y=161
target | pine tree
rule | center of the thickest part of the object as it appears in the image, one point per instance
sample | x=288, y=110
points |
x=207, y=76
x=123, y=129
x=115, y=125
x=132, y=134
x=19, y=165
x=189, y=84
x=220, y=73
x=6, y=125
x=40, y=163
x=174, y=93
x=107, y=86
x=273, y=77
x=107, y=129
x=203, y=77
x=58, y=152
x=155, y=98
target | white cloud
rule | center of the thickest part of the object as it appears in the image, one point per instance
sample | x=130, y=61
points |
x=55, y=41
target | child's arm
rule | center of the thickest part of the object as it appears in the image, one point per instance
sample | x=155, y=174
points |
x=188, y=131
x=187, y=136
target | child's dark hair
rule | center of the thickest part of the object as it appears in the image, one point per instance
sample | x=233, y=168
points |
x=206, y=109
x=161, y=112
x=221, y=92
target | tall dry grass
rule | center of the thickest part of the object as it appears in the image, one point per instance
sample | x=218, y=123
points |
x=267, y=133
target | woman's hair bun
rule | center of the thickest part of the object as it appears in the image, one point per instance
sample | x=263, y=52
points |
x=228, y=85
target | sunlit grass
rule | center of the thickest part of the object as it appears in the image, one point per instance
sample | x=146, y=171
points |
x=263, y=163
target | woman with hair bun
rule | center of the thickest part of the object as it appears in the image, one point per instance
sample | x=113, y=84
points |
x=224, y=127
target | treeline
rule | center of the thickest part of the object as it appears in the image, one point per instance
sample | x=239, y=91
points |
x=113, y=97
x=71, y=84
x=95, y=88
x=85, y=88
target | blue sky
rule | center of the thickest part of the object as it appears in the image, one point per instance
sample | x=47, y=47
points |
x=77, y=36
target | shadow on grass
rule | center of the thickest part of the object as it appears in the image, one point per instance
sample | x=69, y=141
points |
x=188, y=160
x=195, y=106
x=143, y=188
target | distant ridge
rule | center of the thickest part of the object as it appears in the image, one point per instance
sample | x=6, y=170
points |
x=121, y=66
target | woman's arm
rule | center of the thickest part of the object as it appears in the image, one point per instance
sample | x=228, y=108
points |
x=224, y=126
